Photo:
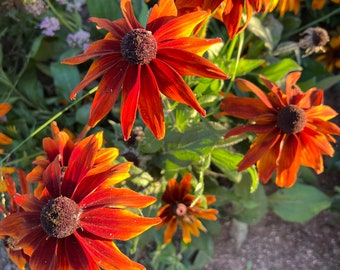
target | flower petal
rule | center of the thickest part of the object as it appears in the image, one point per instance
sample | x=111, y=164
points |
x=245, y=85
x=181, y=26
x=288, y=161
x=170, y=230
x=291, y=89
x=97, y=176
x=112, y=223
x=44, y=255
x=105, y=252
x=108, y=92
x=4, y=139
x=130, y=97
x=189, y=44
x=5, y=108
x=98, y=48
x=172, y=85
x=116, y=197
x=52, y=177
x=150, y=105
x=97, y=69
x=187, y=63
x=258, y=148
x=81, y=161
x=129, y=15
x=117, y=28
x=161, y=13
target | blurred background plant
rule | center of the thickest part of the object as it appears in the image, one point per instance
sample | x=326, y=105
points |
x=36, y=35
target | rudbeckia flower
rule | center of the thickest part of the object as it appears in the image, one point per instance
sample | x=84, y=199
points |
x=292, y=128
x=181, y=209
x=145, y=63
x=15, y=253
x=73, y=224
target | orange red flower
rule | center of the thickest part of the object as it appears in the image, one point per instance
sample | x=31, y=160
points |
x=72, y=224
x=292, y=128
x=181, y=209
x=145, y=63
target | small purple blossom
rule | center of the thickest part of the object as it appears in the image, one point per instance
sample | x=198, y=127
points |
x=79, y=39
x=35, y=7
x=49, y=26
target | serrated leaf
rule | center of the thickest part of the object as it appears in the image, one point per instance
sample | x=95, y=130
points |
x=299, y=203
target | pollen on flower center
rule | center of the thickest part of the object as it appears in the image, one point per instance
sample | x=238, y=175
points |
x=179, y=209
x=139, y=46
x=291, y=119
x=59, y=217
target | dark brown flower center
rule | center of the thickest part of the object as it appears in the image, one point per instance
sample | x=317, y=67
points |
x=59, y=217
x=179, y=209
x=291, y=119
x=139, y=46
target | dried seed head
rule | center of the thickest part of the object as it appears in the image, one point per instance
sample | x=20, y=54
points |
x=313, y=40
x=139, y=46
x=291, y=119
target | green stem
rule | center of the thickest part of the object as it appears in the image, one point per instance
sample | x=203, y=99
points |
x=238, y=57
x=44, y=125
x=60, y=17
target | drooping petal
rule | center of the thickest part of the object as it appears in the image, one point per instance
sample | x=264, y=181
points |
x=288, y=162
x=258, y=148
x=97, y=69
x=108, y=92
x=310, y=152
x=112, y=223
x=150, y=105
x=116, y=197
x=181, y=26
x=130, y=97
x=172, y=85
x=29, y=203
x=129, y=15
x=105, y=252
x=170, y=230
x=187, y=63
x=161, y=13
x=232, y=17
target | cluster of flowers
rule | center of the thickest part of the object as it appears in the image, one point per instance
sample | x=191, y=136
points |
x=76, y=210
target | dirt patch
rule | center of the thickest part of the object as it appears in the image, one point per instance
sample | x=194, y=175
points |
x=273, y=244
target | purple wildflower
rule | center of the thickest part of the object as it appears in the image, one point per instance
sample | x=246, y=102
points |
x=50, y=25
x=79, y=39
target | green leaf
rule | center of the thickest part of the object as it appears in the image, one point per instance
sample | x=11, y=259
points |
x=249, y=207
x=328, y=82
x=104, y=9
x=299, y=203
x=244, y=66
x=279, y=70
x=82, y=114
x=65, y=78
x=269, y=30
